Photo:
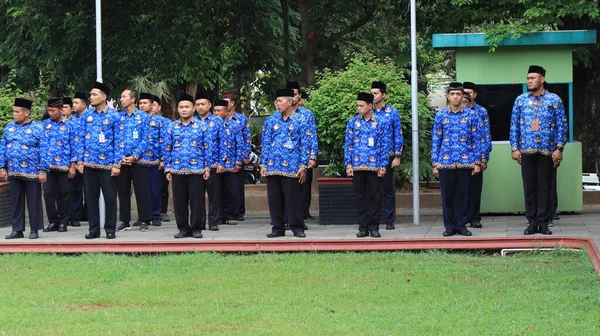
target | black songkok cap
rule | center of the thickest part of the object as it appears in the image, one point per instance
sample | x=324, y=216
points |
x=55, y=102
x=293, y=85
x=145, y=95
x=102, y=88
x=24, y=103
x=365, y=96
x=156, y=99
x=304, y=95
x=467, y=95
x=67, y=101
x=469, y=85
x=379, y=85
x=289, y=93
x=537, y=69
x=187, y=97
x=455, y=86
x=81, y=95
x=203, y=95
x=221, y=102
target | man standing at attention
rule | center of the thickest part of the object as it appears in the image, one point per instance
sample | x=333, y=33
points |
x=538, y=135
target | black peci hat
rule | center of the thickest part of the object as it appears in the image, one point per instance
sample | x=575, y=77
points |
x=81, y=95
x=469, y=85
x=287, y=92
x=67, y=101
x=145, y=95
x=187, y=97
x=102, y=88
x=379, y=85
x=55, y=102
x=365, y=96
x=536, y=69
x=24, y=103
x=221, y=102
x=293, y=85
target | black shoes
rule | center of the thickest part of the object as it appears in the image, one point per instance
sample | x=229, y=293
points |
x=213, y=227
x=308, y=217
x=15, y=235
x=34, y=235
x=390, y=226
x=111, y=236
x=137, y=223
x=275, y=234
x=51, y=227
x=299, y=234
x=62, y=227
x=144, y=227
x=362, y=234
x=124, y=227
x=544, y=230
x=182, y=234
x=156, y=222
x=476, y=225
x=197, y=234
x=449, y=233
x=92, y=235
x=531, y=229
x=75, y=223
x=232, y=222
x=165, y=218
x=375, y=234
x=464, y=232
x=305, y=227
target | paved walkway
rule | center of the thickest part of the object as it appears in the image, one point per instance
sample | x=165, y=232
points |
x=585, y=224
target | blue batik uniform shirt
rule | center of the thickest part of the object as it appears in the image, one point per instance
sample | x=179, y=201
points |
x=284, y=145
x=184, y=150
x=244, y=124
x=100, y=148
x=486, y=135
x=311, y=131
x=551, y=133
x=456, y=139
x=59, y=148
x=392, y=117
x=366, y=145
x=133, y=133
x=230, y=145
x=157, y=126
x=212, y=127
x=20, y=151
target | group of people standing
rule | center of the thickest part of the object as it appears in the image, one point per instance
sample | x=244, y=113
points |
x=203, y=152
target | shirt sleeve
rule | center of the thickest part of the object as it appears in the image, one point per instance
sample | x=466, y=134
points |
x=436, y=138
x=477, y=146
x=3, y=149
x=247, y=148
x=348, y=143
x=239, y=146
x=43, y=157
x=305, y=143
x=397, y=129
x=167, y=147
x=560, y=135
x=487, y=136
x=382, y=151
x=515, y=126
x=266, y=143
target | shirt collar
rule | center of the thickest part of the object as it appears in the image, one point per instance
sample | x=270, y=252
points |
x=370, y=120
x=541, y=95
x=461, y=110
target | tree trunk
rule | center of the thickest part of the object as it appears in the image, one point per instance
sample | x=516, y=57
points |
x=285, y=10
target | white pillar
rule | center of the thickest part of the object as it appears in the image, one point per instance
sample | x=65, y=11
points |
x=415, y=111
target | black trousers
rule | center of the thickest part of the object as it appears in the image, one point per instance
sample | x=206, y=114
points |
x=554, y=193
x=285, y=192
x=56, y=197
x=21, y=189
x=77, y=210
x=213, y=188
x=96, y=180
x=230, y=196
x=475, y=198
x=455, y=185
x=307, y=193
x=164, y=193
x=537, y=172
x=188, y=201
x=241, y=189
x=141, y=184
x=388, y=186
x=155, y=185
x=367, y=189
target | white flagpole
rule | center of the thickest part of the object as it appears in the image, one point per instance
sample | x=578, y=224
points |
x=415, y=111
x=101, y=206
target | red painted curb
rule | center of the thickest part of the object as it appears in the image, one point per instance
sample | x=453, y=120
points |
x=300, y=245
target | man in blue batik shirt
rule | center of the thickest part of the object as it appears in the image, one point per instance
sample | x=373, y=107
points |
x=486, y=142
x=366, y=156
x=284, y=163
x=100, y=161
x=538, y=135
x=187, y=167
x=392, y=117
x=244, y=124
x=456, y=155
x=77, y=208
x=60, y=154
x=133, y=140
x=212, y=129
x=22, y=164
x=164, y=185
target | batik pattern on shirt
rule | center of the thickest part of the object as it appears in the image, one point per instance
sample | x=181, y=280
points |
x=212, y=127
x=244, y=124
x=20, y=151
x=486, y=135
x=58, y=149
x=311, y=131
x=230, y=145
x=366, y=144
x=284, y=145
x=392, y=117
x=456, y=139
x=184, y=150
x=100, y=148
x=157, y=126
x=133, y=133
x=538, y=124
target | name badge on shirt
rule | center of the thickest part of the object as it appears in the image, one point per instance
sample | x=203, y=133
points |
x=371, y=142
x=102, y=138
x=136, y=134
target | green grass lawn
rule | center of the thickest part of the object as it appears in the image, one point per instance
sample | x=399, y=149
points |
x=430, y=293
